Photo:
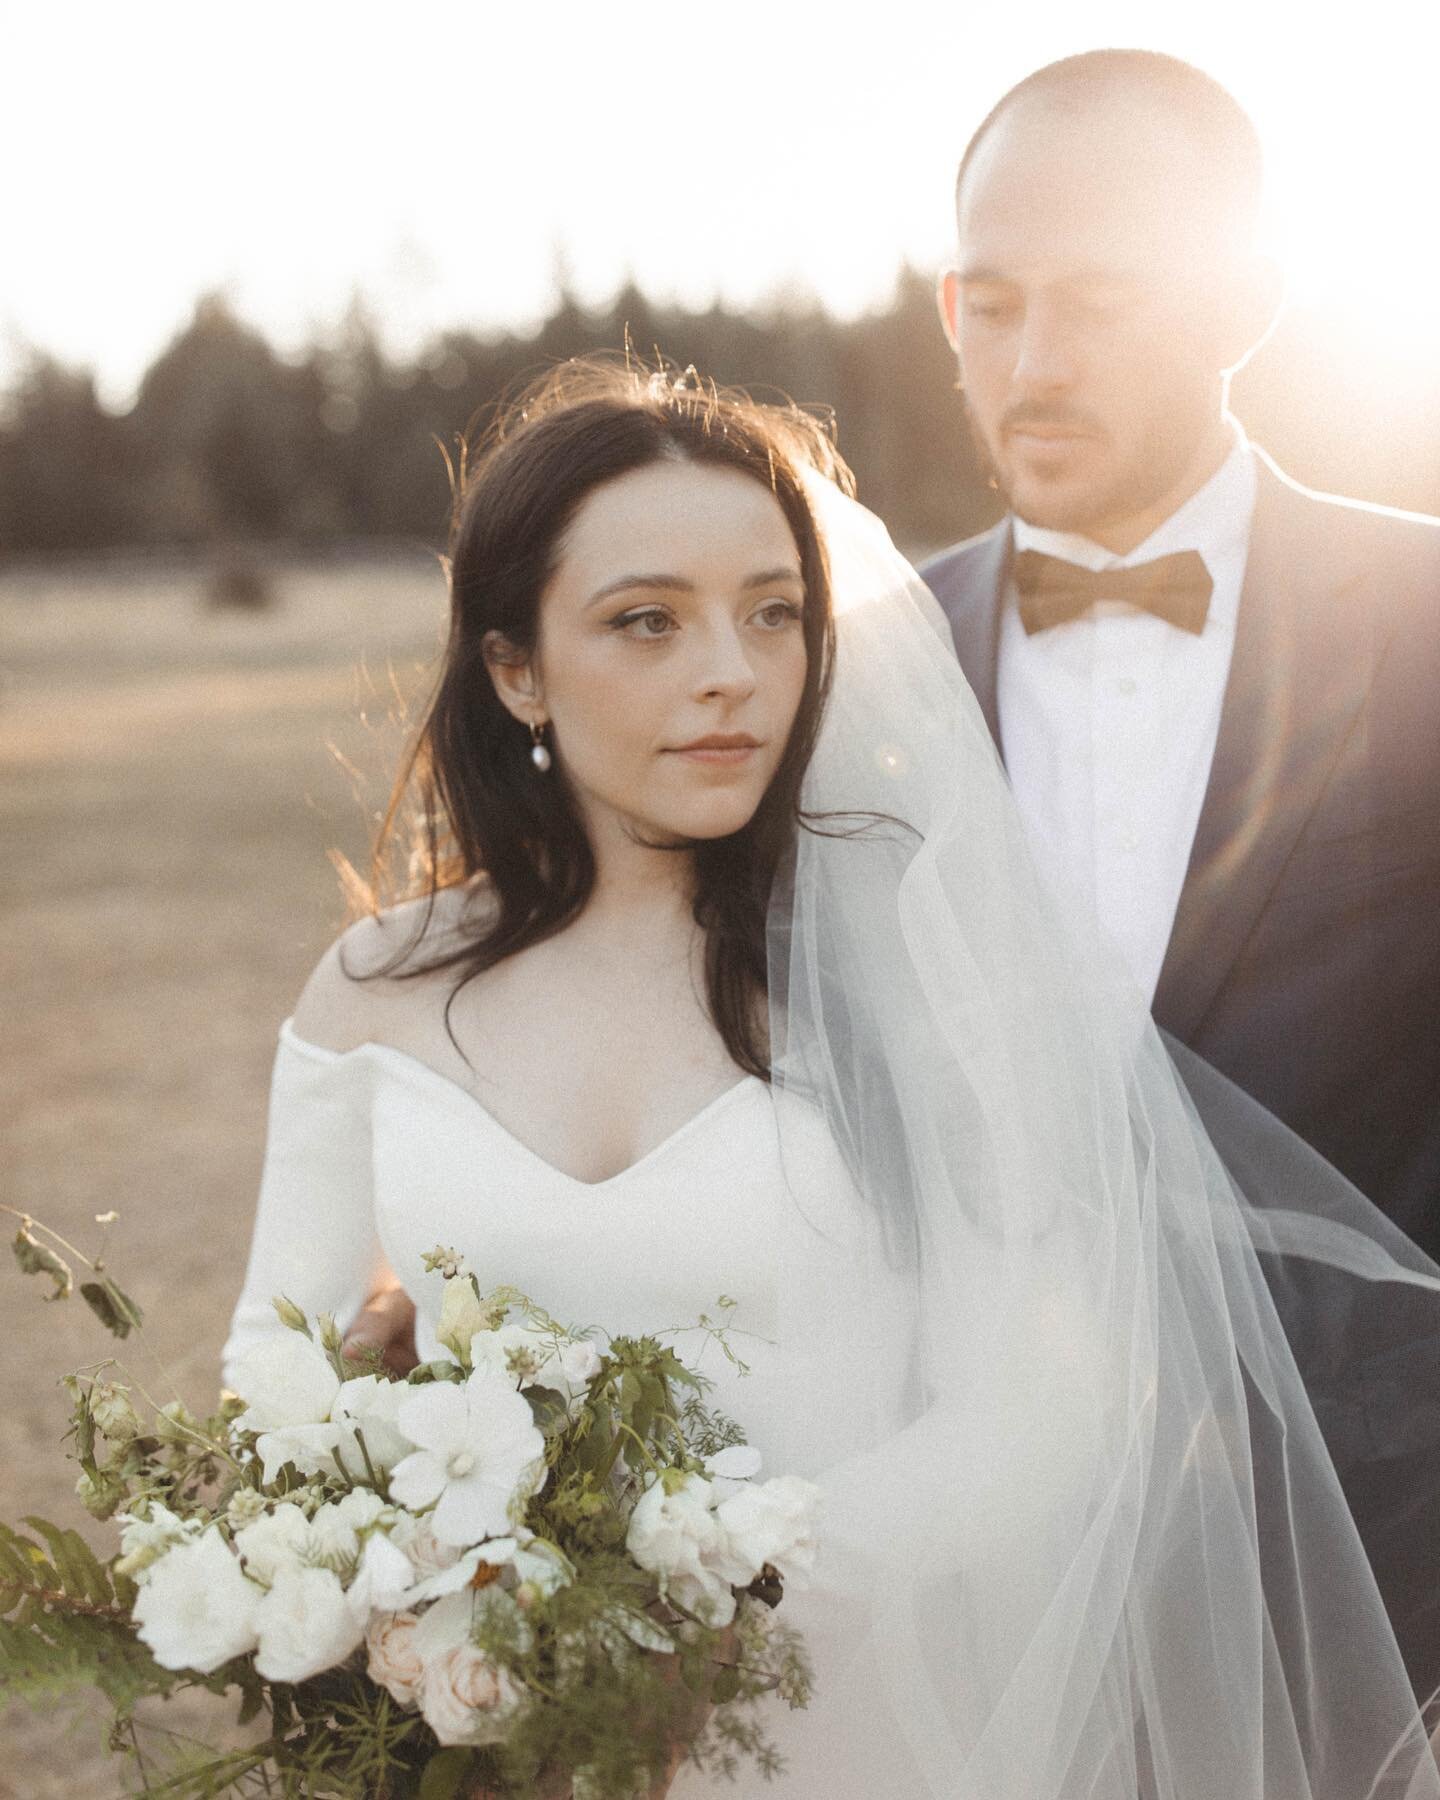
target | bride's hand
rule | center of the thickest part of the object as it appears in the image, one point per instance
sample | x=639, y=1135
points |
x=385, y=1323
x=700, y=1717
x=559, y=1788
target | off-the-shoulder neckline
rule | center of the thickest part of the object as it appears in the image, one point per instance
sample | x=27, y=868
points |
x=403, y=1063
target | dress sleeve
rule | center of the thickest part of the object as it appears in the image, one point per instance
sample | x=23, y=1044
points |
x=314, y=1239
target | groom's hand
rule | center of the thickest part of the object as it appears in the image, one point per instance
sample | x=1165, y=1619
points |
x=385, y=1323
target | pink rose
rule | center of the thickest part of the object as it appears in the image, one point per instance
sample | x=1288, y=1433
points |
x=466, y=1699
x=394, y=1661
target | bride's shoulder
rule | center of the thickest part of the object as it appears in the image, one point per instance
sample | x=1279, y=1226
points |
x=372, y=981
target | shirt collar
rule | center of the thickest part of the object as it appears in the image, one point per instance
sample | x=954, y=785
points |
x=1215, y=520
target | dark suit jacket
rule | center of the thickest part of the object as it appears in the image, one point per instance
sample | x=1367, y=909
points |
x=1305, y=957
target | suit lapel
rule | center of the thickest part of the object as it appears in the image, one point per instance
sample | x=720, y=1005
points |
x=976, y=626
x=1297, y=679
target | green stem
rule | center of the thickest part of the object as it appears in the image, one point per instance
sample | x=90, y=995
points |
x=211, y=1446
x=382, y=1488
x=33, y=1224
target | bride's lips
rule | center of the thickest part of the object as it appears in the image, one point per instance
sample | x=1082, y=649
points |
x=722, y=748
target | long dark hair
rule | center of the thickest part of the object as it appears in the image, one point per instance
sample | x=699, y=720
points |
x=468, y=802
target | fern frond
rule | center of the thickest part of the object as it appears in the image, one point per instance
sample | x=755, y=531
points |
x=65, y=1622
x=81, y=1575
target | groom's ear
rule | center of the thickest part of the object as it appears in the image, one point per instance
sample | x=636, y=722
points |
x=947, y=298
x=1248, y=317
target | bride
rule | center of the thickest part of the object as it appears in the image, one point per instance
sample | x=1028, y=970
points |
x=720, y=969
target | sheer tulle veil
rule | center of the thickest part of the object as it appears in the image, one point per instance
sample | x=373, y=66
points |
x=1101, y=1541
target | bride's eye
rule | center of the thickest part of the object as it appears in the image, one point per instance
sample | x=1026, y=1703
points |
x=774, y=615
x=647, y=622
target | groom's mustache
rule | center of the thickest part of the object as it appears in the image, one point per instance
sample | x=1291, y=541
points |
x=1052, y=418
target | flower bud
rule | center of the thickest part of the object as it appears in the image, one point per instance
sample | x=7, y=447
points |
x=112, y=1412
x=330, y=1337
x=440, y=1370
x=528, y=1594
x=450, y=1263
x=461, y=1317
x=523, y=1362
x=290, y=1314
x=99, y=1493
x=246, y=1506
x=175, y=1423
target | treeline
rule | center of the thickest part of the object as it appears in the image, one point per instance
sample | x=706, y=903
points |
x=228, y=442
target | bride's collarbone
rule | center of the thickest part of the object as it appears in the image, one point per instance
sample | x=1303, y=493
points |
x=589, y=1083
x=590, y=1049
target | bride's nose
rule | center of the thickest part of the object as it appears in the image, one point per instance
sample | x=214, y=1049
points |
x=723, y=668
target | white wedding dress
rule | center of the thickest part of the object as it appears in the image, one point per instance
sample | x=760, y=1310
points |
x=373, y=1153
x=999, y=1296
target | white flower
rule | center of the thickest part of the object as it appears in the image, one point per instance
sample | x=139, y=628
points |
x=285, y=1381
x=276, y=1543
x=674, y=1535
x=480, y=1455
x=450, y=1263
x=729, y=1469
x=773, y=1523
x=304, y=1625
x=539, y=1563
x=393, y=1659
x=196, y=1609
x=362, y=1507
x=334, y=1542
x=445, y=1625
x=576, y=1365
x=307, y=1446
x=371, y=1407
x=461, y=1573
x=517, y=1351
x=144, y=1541
x=382, y=1578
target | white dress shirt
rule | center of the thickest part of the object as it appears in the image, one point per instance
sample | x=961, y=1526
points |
x=1108, y=723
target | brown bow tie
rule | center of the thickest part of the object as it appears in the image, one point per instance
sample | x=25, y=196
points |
x=1052, y=591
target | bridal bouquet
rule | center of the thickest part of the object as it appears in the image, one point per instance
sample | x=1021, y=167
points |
x=534, y=1567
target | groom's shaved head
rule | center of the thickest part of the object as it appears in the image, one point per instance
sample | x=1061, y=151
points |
x=1107, y=277
x=1129, y=97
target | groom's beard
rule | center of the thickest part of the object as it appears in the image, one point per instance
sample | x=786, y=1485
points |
x=1131, y=487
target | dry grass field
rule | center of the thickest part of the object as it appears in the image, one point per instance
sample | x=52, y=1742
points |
x=171, y=777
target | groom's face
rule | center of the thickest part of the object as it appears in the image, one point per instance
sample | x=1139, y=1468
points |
x=1092, y=312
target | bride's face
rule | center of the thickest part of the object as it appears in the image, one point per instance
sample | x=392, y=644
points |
x=670, y=660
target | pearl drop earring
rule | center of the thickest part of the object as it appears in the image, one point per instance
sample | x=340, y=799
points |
x=539, y=749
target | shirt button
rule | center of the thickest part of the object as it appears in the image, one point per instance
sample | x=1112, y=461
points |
x=1125, y=685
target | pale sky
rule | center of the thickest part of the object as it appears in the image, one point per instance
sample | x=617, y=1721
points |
x=437, y=154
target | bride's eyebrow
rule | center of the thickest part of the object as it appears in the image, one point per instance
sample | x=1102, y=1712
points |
x=678, y=584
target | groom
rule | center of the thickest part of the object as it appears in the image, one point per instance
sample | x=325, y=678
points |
x=1217, y=693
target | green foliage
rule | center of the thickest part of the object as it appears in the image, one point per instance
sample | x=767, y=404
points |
x=115, y=1310
x=616, y=1679
x=446, y=1775
x=228, y=441
x=65, y=1622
